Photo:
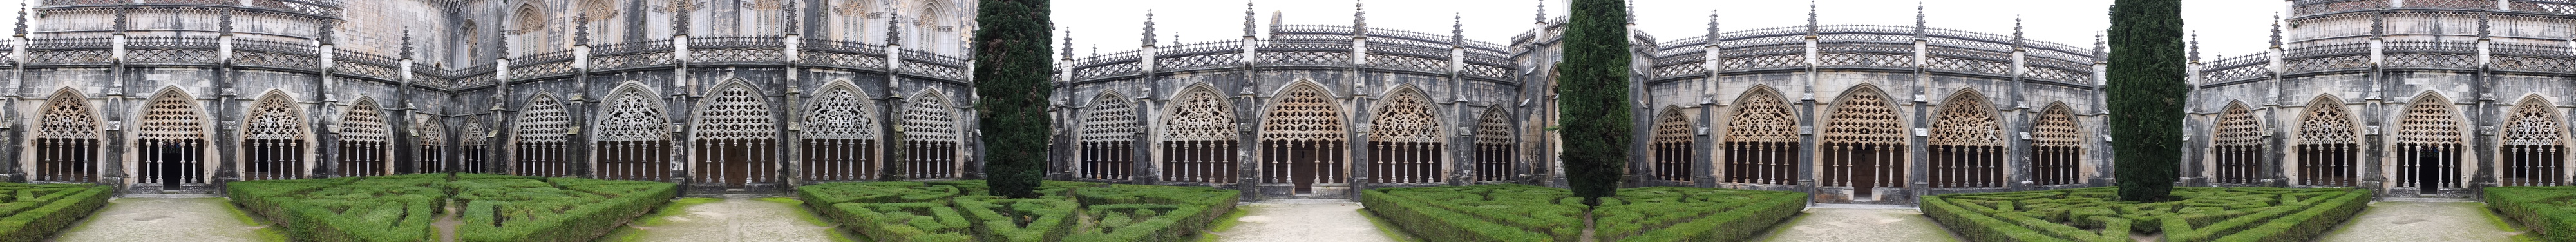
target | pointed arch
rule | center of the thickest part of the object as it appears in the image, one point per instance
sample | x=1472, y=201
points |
x=1199, y=137
x=1109, y=130
x=541, y=137
x=363, y=141
x=473, y=143
x=2237, y=146
x=1761, y=139
x=600, y=10
x=932, y=137
x=1302, y=137
x=1673, y=145
x=1495, y=147
x=273, y=139
x=634, y=135
x=528, y=19
x=1864, y=142
x=171, y=143
x=430, y=154
x=67, y=139
x=1405, y=138
x=2328, y=144
x=2429, y=146
x=2534, y=146
x=2057, y=147
x=840, y=134
x=735, y=133
x=1967, y=143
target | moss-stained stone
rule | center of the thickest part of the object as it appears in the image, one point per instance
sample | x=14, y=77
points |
x=162, y=219
x=2421, y=221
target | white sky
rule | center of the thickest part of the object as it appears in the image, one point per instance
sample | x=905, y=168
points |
x=2231, y=27
x=1116, y=25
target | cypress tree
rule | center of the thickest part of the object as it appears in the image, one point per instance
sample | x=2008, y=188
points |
x=1011, y=86
x=1593, y=94
x=2147, y=94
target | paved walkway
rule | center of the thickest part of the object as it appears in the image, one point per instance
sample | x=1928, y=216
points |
x=162, y=219
x=1303, y=220
x=734, y=219
x=1858, y=223
x=2420, y=221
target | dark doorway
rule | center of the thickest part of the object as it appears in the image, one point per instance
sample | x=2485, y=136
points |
x=2428, y=170
x=1864, y=167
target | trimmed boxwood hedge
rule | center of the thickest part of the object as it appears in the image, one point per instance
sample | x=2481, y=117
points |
x=495, y=207
x=1069, y=211
x=35, y=211
x=2202, y=214
x=2548, y=211
x=1510, y=212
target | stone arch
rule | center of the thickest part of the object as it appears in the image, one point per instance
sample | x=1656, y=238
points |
x=2237, y=147
x=528, y=18
x=1673, y=147
x=471, y=144
x=2429, y=146
x=600, y=10
x=171, y=143
x=1198, y=138
x=1967, y=143
x=365, y=140
x=2329, y=144
x=1863, y=142
x=932, y=137
x=2534, y=145
x=1407, y=142
x=735, y=135
x=634, y=138
x=1108, y=137
x=67, y=140
x=1302, y=137
x=2057, y=147
x=1761, y=142
x=275, y=143
x=431, y=153
x=840, y=134
x=1496, y=147
x=541, y=140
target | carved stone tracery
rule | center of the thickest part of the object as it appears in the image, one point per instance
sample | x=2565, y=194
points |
x=67, y=116
x=544, y=121
x=273, y=118
x=1197, y=114
x=1406, y=117
x=840, y=112
x=1966, y=120
x=362, y=122
x=736, y=112
x=633, y=115
x=1763, y=117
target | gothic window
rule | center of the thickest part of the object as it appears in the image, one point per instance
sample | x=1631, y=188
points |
x=541, y=148
x=735, y=136
x=170, y=141
x=364, y=140
x=634, y=137
x=530, y=19
x=1864, y=143
x=67, y=139
x=2057, y=150
x=1109, y=130
x=429, y=154
x=1495, y=148
x=1404, y=139
x=1302, y=141
x=1672, y=146
x=2534, y=152
x=1967, y=144
x=600, y=10
x=1199, y=140
x=840, y=136
x=1762, y=140
x=2238, y=147
x=2328, y=150
x=2428, y=146
x=473, y=143
x=930, y=137
x=273, y=139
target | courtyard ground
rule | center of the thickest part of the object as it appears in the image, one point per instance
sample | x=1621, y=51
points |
x=2422, y=220
x=166, y=219
x=1846, y=222
x=728, y=220
x=1303, y=220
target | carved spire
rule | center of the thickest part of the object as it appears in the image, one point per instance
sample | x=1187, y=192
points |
x=1149, y=27
x=2101, y=49
x=1919, y=21
x=2483, y=29
x=680, y=17
x=2276, y=30
x=326, y=35
x=792, y=24
x=120, y=17
x=223, y=18
x=1095, y=51
x=1457, y=29
x=406, y=43
x=501, y=43
x=1068, y=43
x=21, y=30
x=1247, y=18
x=2017, y=39
x=581, y=28
x=2378, y=24
x=2195, y=47
x=1632, y=11
x=1811, y=17
x=1359, y=18
x=894, y=34
x=1712, y=27
x=1542, y=12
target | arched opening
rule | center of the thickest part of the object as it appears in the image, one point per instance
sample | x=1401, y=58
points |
x=2428, y=146
x=1672, y=146
x=1405, y=145
x=2238, y=149
x=634, y=137
x=170, y=142
x=1109, y=129
x=1302, y=141
x=472, y=147
x=1967, y=144
x=273, y=145
x=1495, y=148
x=1199, y=139
x=529, y=31
x=2057, y=149
x=2534, y=152
x=2328, y=150
x=1864, y=143
x=541, y=139
x=735, y=136
x=930, y=138
x=67, y=140
x=840, y=136
x=430, y=156
x=1762, y=141
x=363, y=141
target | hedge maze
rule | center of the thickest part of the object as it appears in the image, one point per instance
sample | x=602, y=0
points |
x=1070, y=211
x=1509, y=212
x=31, y=212
x=2550, y=212
x=491, y=207
x=2201, y=214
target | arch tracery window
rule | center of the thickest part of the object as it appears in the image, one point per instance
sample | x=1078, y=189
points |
x=1967, y=144
x=840, y=136
x=2534, y=148
x=1864, y=143
x=1672, y=146
x=1199, y=144
x=471, y=146
x=634, y=137
x=735, y=137
x=1405, y=144
x=2057, y=148
x=1762, y=143
x=364, y=140
x=430, y=153
x=1302, y=139
x=1109, y=130
x=2328, y=149
x=2428, y=146
x=2238, y=148
x=1495, y=148
x=541, y=139
x=170, y=141
x=67, y=140
x=273, y=140
x=931, y=138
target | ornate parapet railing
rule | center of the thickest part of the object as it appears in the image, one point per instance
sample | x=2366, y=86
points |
x=297, y=8
x=1304, y=53
x=2315, y=7
x=1395, y=54
x=69, y=51
x=366, y=65
x=643, y=54
x=474, y=76
x=1201, y=55
x=274, y=54
x=2545, y=6
x=934, y=65
x=2239, y=68
x=171, y=51
x=2327, y=58
x=2548, y=59
x=2430, y=55
x=841, y=54
x=769, y=50
x=1871, y=47
x=427, y=75
x=542, y=65
x=1107, y=66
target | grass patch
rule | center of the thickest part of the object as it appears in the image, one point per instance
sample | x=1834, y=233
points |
x=1508, y=212
x=1223, y=223
x=1388, y=228
x=964, y=211
x=2201, y=214
x=495, y=207
x=267, y=233
x=2548, y=213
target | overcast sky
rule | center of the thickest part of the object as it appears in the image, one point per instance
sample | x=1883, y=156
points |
x=2231, y=27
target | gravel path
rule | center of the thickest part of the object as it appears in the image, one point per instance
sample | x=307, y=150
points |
x=162, y=219
x=1858, y=224
x=2420, y=221
x=1296, y=220
x=736, y=219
